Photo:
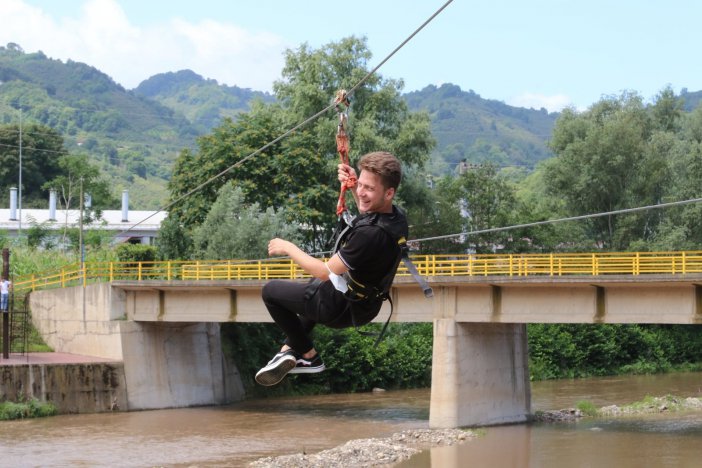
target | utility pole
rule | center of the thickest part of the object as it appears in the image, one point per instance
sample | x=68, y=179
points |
x=19, y=229
x=6, y=313
x=80, y=224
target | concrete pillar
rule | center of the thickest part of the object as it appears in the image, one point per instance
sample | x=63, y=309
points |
x=166, y=364
x=169, y=365
x=480, y=374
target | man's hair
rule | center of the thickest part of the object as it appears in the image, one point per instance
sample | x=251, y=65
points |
x=384, y=164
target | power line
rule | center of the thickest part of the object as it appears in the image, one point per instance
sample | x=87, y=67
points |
x=298, y=126
x=538, y=223
x=560, y=220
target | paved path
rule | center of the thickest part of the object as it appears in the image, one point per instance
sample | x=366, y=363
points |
x=49, y=358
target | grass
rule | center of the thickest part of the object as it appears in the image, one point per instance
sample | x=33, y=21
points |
x=26, y=409
x=587, y=408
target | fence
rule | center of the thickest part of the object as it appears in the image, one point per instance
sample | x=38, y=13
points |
x=554, y=264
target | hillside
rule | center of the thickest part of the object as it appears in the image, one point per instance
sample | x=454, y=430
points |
x=465, y=125
x=468, y=127
x=135, y=136
x=204, y=102
x=134, y=140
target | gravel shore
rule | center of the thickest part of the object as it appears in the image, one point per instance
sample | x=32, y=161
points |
x=370, y=452
x=389, y=451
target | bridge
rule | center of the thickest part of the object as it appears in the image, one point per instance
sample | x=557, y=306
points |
x=162, y=318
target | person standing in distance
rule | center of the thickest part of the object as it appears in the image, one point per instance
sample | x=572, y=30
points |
x=350, y=288
x=5, y=286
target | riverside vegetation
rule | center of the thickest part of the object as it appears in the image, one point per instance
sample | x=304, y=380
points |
x=26, y=409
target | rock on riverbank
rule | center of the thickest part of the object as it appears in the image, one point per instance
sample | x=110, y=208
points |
x=370, y=452
x=647, y=406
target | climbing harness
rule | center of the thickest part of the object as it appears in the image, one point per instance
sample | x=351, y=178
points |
x=395, y=226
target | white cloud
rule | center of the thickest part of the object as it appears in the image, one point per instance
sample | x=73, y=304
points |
x=553, y=103
x=102, y=36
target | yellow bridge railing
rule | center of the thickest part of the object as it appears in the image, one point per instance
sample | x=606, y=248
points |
x=555, y=264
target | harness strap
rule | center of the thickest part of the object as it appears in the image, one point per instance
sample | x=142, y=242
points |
x=382, y=331
x=428, y=292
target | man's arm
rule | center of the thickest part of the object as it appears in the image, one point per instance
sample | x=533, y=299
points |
x=311, y=265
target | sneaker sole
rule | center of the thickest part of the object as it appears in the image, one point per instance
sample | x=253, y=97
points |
x=307, y=370
x=272, y=376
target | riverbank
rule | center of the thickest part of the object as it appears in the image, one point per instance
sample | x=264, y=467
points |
x=371, y=452
x=403, y=445
x=71, y=383
x=649, y=405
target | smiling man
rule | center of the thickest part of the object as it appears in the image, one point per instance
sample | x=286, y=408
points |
x=350, y=288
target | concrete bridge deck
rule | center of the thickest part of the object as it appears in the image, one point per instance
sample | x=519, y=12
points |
x=483, y=299
x=167, y=332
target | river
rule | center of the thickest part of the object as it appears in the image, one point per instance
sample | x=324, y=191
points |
x=237, y=434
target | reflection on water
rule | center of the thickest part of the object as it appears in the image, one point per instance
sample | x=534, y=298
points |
x=659, y=440
x=213, y=436
x=236, y=434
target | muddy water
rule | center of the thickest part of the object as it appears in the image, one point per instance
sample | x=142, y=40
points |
x=237, y=434
x=663, y=440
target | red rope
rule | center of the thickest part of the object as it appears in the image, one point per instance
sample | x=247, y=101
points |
x=342, y=104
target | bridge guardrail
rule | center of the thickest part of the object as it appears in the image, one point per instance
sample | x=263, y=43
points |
x=554, y=264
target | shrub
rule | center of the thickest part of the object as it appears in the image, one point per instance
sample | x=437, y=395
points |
x=29, y=409
x=135, y=253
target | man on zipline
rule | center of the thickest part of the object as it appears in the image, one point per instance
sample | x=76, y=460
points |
x=350, y=288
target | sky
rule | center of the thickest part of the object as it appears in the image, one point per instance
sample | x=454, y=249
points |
x=538, y=53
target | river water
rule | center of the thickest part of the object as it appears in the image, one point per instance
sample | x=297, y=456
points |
x=237, y=434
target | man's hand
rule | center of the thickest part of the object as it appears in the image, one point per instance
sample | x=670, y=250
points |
x=346, y=172
x=279, y=246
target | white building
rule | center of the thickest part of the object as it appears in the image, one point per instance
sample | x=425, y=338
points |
x=127, y=226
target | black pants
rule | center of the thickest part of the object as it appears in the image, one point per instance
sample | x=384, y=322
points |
x=298, y=307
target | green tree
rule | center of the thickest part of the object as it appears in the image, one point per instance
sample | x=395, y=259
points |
x=79, y=175
x=135, y=253
x=174, y=241
x=620, y=154
x=298, y=173
x=667, y=110
x=681, y=227
x=42, y=148
x=599, y=154
x=234, y=229
x=481, y=199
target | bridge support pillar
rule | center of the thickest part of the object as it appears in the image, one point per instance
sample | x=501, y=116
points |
x=170, y=365
x=480, y=374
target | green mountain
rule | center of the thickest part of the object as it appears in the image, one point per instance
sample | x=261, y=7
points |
x=476, y=130
x=135, y=136
x=204, y=102
x=134, y=140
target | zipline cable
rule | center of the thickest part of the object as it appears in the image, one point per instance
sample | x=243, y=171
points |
x=298, y=126
x=560, y=220
x=537, y=223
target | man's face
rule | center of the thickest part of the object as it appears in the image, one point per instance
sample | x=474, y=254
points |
x=372, y=196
